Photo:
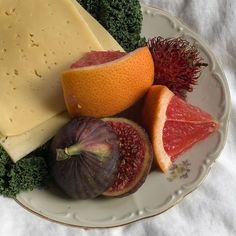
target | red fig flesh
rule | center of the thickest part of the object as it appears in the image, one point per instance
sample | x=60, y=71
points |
x=136, y=157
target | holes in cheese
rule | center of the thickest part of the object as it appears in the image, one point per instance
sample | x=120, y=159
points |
x=34, y=83
x=21, y=144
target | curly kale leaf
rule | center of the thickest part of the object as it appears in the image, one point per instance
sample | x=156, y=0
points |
x=91, y=6
x=28, y=173
x=122, y=18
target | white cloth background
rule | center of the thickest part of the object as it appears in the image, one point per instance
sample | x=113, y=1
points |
x=211, y=209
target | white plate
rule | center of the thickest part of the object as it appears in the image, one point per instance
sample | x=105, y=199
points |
x=160, y=191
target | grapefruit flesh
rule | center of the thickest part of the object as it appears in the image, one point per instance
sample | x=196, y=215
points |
x=97, y=58
x=184, y=126
x=173, y=124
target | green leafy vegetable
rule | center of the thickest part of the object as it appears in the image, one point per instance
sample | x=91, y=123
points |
x=92, y=6
x=28, y=173
x=122, y=18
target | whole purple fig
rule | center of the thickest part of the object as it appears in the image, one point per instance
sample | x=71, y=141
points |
x=84, y=157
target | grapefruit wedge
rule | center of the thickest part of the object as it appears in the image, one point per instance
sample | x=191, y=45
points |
x=103, y=84
x=173, y=124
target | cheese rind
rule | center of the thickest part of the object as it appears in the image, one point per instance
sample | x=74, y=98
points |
x=39, y=39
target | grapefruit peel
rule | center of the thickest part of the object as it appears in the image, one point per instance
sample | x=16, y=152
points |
x=109, y=88
x=159, y=114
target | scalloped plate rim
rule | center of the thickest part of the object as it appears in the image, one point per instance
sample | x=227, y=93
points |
x=198, y=181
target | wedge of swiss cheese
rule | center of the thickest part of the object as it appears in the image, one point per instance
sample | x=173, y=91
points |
x=39, y=40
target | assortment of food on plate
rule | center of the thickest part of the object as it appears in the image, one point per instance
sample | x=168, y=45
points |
x=68, y=83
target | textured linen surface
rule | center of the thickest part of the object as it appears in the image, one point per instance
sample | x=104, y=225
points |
x=211, y=209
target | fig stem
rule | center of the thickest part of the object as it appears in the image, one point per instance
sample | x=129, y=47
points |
x=61, y=155
x=73, y=150
x=68, y=152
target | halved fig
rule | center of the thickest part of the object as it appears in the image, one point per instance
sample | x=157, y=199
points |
x=136, y=157
x=84, y=157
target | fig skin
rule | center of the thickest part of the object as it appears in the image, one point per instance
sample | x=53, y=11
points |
x=84, y=157
x=141, y=175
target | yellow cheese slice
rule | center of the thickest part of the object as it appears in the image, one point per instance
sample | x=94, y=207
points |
x=20, y=145
x=104, y=38
x=38, y=40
